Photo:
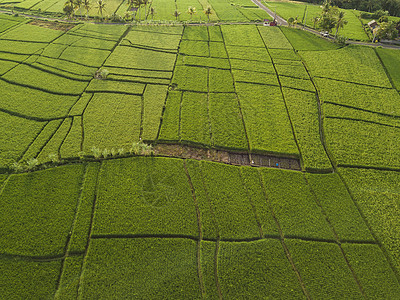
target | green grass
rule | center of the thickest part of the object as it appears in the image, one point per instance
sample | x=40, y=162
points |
x=21, y=279
x=248, y=53
x=190, y=78
x=16, y=139
x=170, y=124
x=374, y=99
x=229, y=201
x=153, y=39
x=377, y=195
x=371, y=267
x=220, y=81
x=144, y=196
x=120, y=127
x=391, y=62
x=294, y=205
x=339, y=207
x=274, y=38
x=353, y=63
x=142, y=268
x=303, y=111
x=303, y=40
x=226, y=122
x=266, y=119
x=358, y=143
x=30, y=33
x=198, y=48
x=256, y=270
x=70, y=278
x=242, y=36
x=195, y=122
x=323, y=270
x=45, y=204
x=154, y=99
x=71, y=146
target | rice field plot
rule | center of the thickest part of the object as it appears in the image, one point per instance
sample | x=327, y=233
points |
x=377, y=195
x=391, y=62
x=159, y=222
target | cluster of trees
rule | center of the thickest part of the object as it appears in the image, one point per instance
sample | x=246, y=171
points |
x=71, y=6
x=331, y=17
x=391, y=6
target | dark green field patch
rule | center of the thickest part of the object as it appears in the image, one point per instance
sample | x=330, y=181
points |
x=143, y=268
x=39, y=210
x=144, y=196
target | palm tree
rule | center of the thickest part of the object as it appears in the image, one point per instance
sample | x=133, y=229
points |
x=208, y=12
x=101, y=7
x=191, y=11
x=340, y=22
x=145, y=2
x=87, y=6
x=78, y=5
x=152, y=12
x=176, y=14
x=136, y=4
x=69, y=8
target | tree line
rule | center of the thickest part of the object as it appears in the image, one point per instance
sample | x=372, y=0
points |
x=391, y=6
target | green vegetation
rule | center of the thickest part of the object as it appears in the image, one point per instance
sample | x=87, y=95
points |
x=391, y=62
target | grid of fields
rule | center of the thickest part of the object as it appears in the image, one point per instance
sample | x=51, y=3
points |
x=187, y=229
x=147, y=227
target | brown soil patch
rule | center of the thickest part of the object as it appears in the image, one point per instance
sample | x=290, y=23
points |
x=227, y=157
x=52, y=25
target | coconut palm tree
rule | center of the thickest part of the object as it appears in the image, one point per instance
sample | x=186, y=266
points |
x=101, y=7
x=78, y=5
x=191, y=11
x=136, y=4
x=315, y=20
x=176, y=14
x=208, y=12
x=69, y=8
x=152, y=12
x=340, y=22
x=87, y=6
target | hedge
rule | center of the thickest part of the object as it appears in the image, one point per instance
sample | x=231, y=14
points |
x=39, y=210
x=153, y=197
x=294, y=205
x=266, y=120
x=144, y=268
x=226, y=122
x=323, y=270
x=256, y=270
x=119, y=128
x=154, y=99
x=339, y=207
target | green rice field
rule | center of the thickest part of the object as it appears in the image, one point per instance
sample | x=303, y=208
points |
x=88, y=214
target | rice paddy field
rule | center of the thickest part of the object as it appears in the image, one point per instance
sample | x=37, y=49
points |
x=275, y=172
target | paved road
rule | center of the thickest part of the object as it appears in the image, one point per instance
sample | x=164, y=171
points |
x=279, y=20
